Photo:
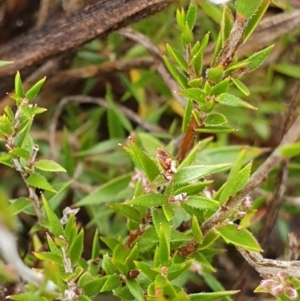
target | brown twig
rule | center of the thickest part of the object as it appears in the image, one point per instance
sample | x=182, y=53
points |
x=63, y=34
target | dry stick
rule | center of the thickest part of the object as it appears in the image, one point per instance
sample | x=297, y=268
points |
x=271, y=266
x=256, y=179
x=62, y=34
x=9, y=252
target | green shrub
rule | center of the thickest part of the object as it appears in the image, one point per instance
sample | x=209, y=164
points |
x=170, y=188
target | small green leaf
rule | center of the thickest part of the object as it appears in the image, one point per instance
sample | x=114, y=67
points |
x=195, y=93
x=242, y=179
x=48, y=165
x=23, y=138
x=37, y=110
x=247, y=8
x=49, y=257
x=149, y=200
x=216, y=130
x=256, y=59
x=197, y=233
x=54, y=223
x=163, y=229
x=195, y=82
x=176, y=269
x=164, y=246
x=213, y=11
x=71, y=230
x=180, y=18
x=287, y=69
x=26, y=111
x=146, y=269
x=112, y=282
x=233, y=101
x=200, y=258
x=187, y=35
x=6, y=127
x=209, y=239
x=220, y=87
x=39, y=181
x=133, y=255
x=108, y=266
x=108, y=192
x=190, y=173
x=127, y=210
x=211, y=296
x=35, y=89
x=193, y=189
x=67, y=156
x=226, y=23
x=6, y=159
x=96, y=245
x=168, y=211
x=177, y=57
x=215, y=74
x=178, y=76
x=19, y=205
x=92, y=287
x=9, y=113
x=241, y=86
x=291, y=150
x=19, y=85
x=227, y=190
x=76, y=247
x=148, y=165
x=215, y=119
x=20, y=152
x=62, y=190
x=203, y=203
x=28, y=297
x=52, y=246
x=191, y=15
x=190, y=158
x=255, y=19
x=5, y=63
x=187, y=115
x=135, y=289
x=238, y=236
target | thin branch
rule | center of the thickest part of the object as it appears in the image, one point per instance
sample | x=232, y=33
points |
x=9, y=252
x=61, y=34
x=270, y=266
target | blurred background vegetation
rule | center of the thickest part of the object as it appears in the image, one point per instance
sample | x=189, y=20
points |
x=87, y=134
